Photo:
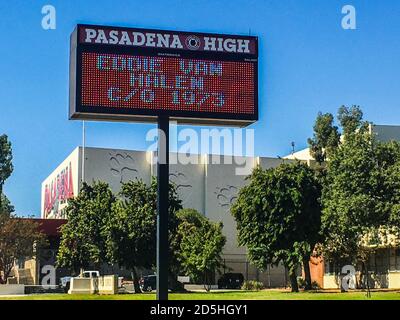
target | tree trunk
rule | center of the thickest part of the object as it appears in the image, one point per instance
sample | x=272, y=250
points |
x=1, y=198
x=360, y=284
x=7, y=273
x=136, y=285
x=365, y=270
x=307, y=273
x=174, y=284
x=293, y=281
x=207, y=281
x=2, y=276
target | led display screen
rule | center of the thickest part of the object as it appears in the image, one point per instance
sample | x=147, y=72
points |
x=199, y=84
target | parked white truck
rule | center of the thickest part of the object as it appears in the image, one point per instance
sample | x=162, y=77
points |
x=65, y=282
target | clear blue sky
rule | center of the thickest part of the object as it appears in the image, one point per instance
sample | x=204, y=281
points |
x=308, y=63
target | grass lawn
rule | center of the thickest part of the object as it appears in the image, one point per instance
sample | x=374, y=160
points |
x=221, y=295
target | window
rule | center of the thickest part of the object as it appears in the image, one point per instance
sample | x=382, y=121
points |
x=21, y=263
x=395, y=259
x=331, y=268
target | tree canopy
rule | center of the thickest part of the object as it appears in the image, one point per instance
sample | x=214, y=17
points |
x=361, y=194
x=19, y=238
x=83, y=239
x=6, y=208
x=278, y=216
x=361, y=182
x=6, y=166
x=200, y=246
x=131, y=233
x=326, y=137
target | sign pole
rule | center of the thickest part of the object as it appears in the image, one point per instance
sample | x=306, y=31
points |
x=162, y=207
x=83, y=150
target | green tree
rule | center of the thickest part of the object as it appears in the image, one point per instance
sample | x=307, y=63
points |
x=132, y=230
x=326, y=137
x=361, y=195
x=6, y=207
x=200, y=246
x=6, y=166
x=360, y=179
x=84, y=236
x=19, y=238
x=278, y=217
x=350, y=119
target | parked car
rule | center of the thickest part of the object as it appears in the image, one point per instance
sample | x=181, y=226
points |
x=90, y=274
x=148, y=283
x=230, y=281
x=65, y=282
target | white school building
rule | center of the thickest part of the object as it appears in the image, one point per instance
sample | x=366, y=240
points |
x=209, y=186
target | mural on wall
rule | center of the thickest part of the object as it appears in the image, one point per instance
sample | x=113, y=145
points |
x=183, y=186
x=226, y=196
x=57, y=192
x=122, y=165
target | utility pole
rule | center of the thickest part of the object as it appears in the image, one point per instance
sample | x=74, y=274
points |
x=83, y=151
x=162, y=207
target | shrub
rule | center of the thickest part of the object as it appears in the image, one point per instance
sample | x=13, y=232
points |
x=252, y=285
x=302, y=284
x=315, y=285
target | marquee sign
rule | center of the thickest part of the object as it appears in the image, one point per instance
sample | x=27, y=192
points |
x=136, y=75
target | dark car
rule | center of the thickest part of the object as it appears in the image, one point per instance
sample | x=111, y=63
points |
x=148, y=283
x=230, y=281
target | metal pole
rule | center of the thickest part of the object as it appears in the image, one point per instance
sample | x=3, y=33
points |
x=162, y=207
x=269, y=276
x=83, y=150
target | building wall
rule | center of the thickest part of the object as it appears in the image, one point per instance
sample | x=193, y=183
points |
x=189, y=180
x=222, y=185
x=386, y=132
x=209, y=184
x=62, y=183
x=383, y=271
x=116, y=166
